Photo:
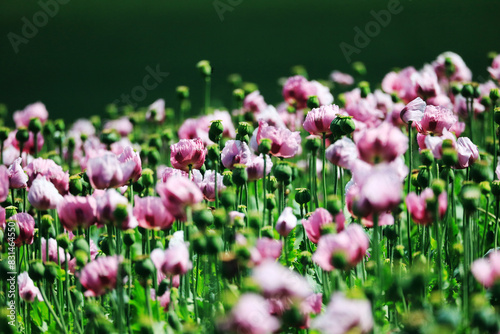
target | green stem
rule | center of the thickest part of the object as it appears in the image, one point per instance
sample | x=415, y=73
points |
x=51, y=310
x=264, y=191
x=323, y=153
x=408, y=218
x=207, y=94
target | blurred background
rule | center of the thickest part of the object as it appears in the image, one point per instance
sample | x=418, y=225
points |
x=77, y=56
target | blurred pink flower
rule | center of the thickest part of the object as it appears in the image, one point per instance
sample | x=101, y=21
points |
x=381, y=144
x=254, y=102
x=460, y=107
x=467, y=151
x=158, y=107
x=297, y=90
x=188, y=153
x=315, y=222
x=99, y=276
x=2, y=218
x=251, y=315
x=344, y=315
x=106, y=206
x=413, y=111
x=348, y=247
x=266, y=248
x=77, y=211
x=43, y=195
x=29, y=146
x=27, y=289
x=51, y=171
x=26, y=225
x=54, y=251
x=276, y=281
x=17, y=177
x=340, y=78
x=418, y=206
x=4, y=183
x=172, y=172
x=318, y=120
x=255, y=168
x=131, y=164
x=342, y=152
x=122, y=125
x=193, y=128
x=35, y=110
x=235, y=152
x=285, y=144
x=461, y=72
x=151, y=214
x=174, y=260
x=286, y=222
x=494, y=70
x=107, y=171
x=435, y=120
x=426, y=82
x=206, y=183
x=401, y=84
x=487, y=270
x=178, y=193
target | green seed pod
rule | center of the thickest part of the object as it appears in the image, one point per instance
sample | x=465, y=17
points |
x=220, y=218
x=449, y=157
x=423, y=177
x=240, y=175
x=182, y=92
x=36, y=270
x=227, y=178
x=333, y=205
x=227, y=199
x=302, y=195
x=167, y=135
x=313, y=143
x=213, y=152
x=129, y=237
x=245, y=129
x=63, y=241
x=109, y=137
x=312, y=102
x=4, y=133
x=46, y=223
x=265, y=146
x=214, y=242
x=270, y=201
x=467, y=91
x=470, y=196
x=154, y=157
x=50, y=273
x=215, y=131
x=79, y=243
x=364, y=86
x=283, y=172
x=438, y=186
x=35, y=125
x=359, y=68
x=255, y=220
x=75, y=185
x=495, y=188
x=485, y=187
x=238, y=94
x=148, y=177
x=203, y=218
x=267, y=232
x=426, y=157
x=81, y=257
x=272, y=185
x=204, y=67
x=199, y=243
x=22, y=135
x=481, y=171
x=494, y=94
x=144, y=268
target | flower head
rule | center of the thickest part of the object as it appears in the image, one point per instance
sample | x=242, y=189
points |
x=188, y=153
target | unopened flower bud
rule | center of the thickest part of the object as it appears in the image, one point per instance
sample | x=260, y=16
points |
x=182, y=92
x=204, y=67
x=467, y=91
x=270, y=202
x=438, y=186
x=265, y=146
x=302, y=195
x=364, y=86
x=60, y=125
x=283, y=172
x=215, y=131
x=144, y=268
x=312, y=102
x=22, y=135
x=426, y=157
x=240, y=175
x=4, y=133
x=35, y=125
x=36, y=270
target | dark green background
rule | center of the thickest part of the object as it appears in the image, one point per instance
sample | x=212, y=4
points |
x=92, y=51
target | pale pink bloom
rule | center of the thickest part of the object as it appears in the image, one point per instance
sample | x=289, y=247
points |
x=119, y=146
x=341, y=78
x=383, y=143
x=311, y=305
x=99, y=276
x=351, y=244
x=435, y=120
x=486, y=87
x=174, y=260
x=4, y=183
x=193, y=128
x=344, y=315
x=365, y=111
x=251, y=315
x=461, y=73
x=342, y=153
x=276, y=281
x=461, y=108
x=318, y=120
x=467, y=151
x=131, y=163
x=255, y=168
x=189, y=129
x=440, y=100
x=418, y=207
x=188, y=153
x=2, y=218
x=487, y=270
x=54, y=251
x=297, y=90
x=235, y=216
x=401, y=84
x=266, y=248
x=82, y=126
x=107, y=171
x=435, y=143
x=383, y=101
x=163, y=299
x=494, y=70
x=51, y=171
x=43, y=195
x=107, y=202
x=151, y=214
x=271, y=116
x=17, y=177
x=315, y=222
x=235, y=152
x=426, y=82
x=206, y=183
x=77, y=211
x=286, y=222
x=35, y=110
x=27, y=289
x=122, y=125
x=172, y=172
x=379, y=189
x=26, y=225
x=178, y=193
x=159, y=107
x=413, y=111
x=285, y=144
x=254, y=102
x=10, y=154
x=385, y=218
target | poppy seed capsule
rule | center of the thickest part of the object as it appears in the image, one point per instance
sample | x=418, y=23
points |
x=302, y=195
x=22, y=135
x=494, y=94
x=204, y=67
x=213, y=152
x=4, y=133
x=240, y=175
x=495, y=188
x=35, y=125
x=423, y=177
x=283, y=172
x=63, y=241
x=265, y=146
x=467, y=91
x=50, y=273
x=245, y=129
x=312, y=102
x=129, y=237
x=426, y=157
x=313, y=143
x=144, y=268
x=270, y=202
x=182, y=92
x=215, y=131
x=449, y=157
x=497, y=116
x=75, y=185
x=470, y=196
x=147, y=177
x=36, y=270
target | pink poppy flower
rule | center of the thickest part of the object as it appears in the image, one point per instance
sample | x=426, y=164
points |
x=255, y=168
x=383, y=143
x=342, y=153
x=418, y=207
x=276, y=281
x=26, y=225
x=4, y=183
x=315, y=222
x=461, y=109
x=435, y=120
x=107, y=171
x=254, y=102
x=426, y=82
x=174, y=260
x=29, y=146
x=172, y=172
x=285, y=144
x=266, y=248
x=56, y=254
x=467, y=151
x=178, y=193
x=43, y=195
x=461, y=73
x=413, y=111
x=494, y=70
x=36, y=110
x=151, y=214
x=286, y=222
x=251, y=315
x=122, y=125
x=77, y=211
x=349, y=245
x=401, y=84
x=340, y=78
x=27, y=289
x=235, y=152
x=17, y=177
x=188, y=153
x=487, y=270
x=344, y=315
x=206, y=183
x=99, y=276
x=158, y=107
x=131, y=164
x=318, y=120
x=2, y=218
x=107, y=202
x=51, y=171
x=297, y=90
x=82, y=126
